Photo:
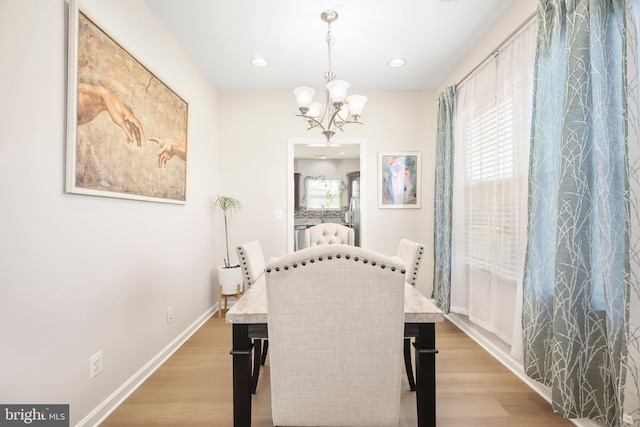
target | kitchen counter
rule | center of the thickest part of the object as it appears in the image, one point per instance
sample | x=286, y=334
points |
x=310, y=222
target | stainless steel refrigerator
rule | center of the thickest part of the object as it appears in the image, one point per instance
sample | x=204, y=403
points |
x=354, y=209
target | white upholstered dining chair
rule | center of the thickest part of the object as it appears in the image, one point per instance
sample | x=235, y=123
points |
x=338, y=367
x=328, y=234
x=411, y=255
x=251, y=259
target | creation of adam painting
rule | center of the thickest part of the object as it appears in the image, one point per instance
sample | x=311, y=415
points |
x=130, y=129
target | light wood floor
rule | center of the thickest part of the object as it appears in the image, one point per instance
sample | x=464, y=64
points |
x=193, y=388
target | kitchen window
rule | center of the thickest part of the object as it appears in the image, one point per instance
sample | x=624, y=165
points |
x=323, y=193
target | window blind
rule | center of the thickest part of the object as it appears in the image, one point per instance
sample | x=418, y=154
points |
x=497, y=148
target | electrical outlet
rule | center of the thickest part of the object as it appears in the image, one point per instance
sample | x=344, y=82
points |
x=95, y=364
x=169, y=315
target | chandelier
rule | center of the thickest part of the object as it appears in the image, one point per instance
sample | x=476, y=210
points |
x=339, y=108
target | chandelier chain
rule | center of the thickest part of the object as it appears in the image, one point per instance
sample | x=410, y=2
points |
x=330, y=41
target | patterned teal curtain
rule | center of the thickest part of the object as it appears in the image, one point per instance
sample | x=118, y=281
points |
x=443, y=199
x=632, y=386
x=574, y=313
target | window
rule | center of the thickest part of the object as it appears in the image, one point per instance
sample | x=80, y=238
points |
x=493, y=132
x=323, y=193
x=496, y=177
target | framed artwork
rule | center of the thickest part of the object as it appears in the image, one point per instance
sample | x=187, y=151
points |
x=399, y=180
x=126, y=129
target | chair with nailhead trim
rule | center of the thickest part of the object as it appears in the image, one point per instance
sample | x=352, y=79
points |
x=343, y=366
x=411, y=255
x=251, y=259
x=329, y=234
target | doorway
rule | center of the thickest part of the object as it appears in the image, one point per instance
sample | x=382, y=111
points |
x=310, y=147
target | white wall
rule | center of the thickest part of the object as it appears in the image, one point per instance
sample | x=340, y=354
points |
x=509, y=22
x=80, y=274
x=254, y=130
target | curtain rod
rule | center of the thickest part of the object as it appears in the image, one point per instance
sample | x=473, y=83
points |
x=495, y=51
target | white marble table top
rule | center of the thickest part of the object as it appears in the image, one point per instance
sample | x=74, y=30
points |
x=252, y=306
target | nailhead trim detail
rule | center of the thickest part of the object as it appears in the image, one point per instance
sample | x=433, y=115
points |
x=338, y=256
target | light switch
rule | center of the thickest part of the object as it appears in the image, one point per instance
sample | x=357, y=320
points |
x=279, y=214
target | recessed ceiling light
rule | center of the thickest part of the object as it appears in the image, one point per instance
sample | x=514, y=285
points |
x=342, y=153
x=259, y=62
x=396, y=62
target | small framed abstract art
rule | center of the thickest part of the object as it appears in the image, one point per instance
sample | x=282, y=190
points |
x=399, y=180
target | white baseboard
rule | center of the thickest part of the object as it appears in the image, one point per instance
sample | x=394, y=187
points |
x=514, y=366
x=99, y=414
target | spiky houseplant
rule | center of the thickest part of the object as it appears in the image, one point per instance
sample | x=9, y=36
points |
x=227, y=205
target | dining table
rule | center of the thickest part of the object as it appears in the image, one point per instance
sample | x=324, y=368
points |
x=248, y=317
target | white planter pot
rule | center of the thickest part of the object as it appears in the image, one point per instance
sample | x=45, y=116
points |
x=230, y=278
x=230, y=285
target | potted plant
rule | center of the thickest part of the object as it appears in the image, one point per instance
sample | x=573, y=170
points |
x=229, y=276
x=227, y=205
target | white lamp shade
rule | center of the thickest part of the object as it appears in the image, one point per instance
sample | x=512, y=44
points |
x=304, y=96
x=356, y=104
x=344, y=113
x=315, y=108
x=337, y=90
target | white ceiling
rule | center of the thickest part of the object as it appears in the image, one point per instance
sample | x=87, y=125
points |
x=432, y=35
x=343, y=152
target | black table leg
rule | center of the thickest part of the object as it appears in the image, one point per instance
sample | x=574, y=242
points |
x=425, y=345
x=241, y=376
x=257, y=358
x=407, y=364
x=265, y=348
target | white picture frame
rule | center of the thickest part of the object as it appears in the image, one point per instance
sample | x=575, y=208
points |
x=399, y=180
x=126, y=129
